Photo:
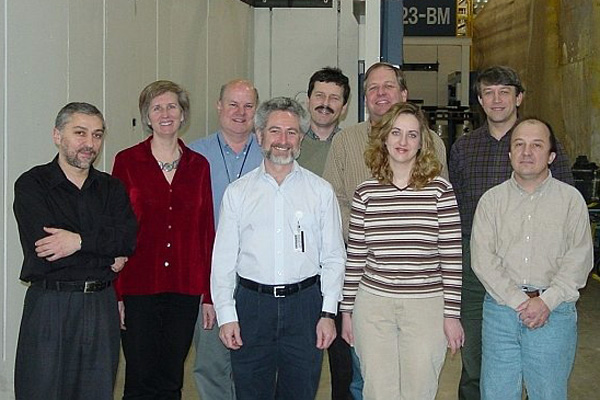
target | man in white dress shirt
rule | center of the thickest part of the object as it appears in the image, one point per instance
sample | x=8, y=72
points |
x=278, y=264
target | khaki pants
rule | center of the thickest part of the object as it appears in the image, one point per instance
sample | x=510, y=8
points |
x=401, y=345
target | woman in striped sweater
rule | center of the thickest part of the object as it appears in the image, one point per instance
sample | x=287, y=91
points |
x=403, y=275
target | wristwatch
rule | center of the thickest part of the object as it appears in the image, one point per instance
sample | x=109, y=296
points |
x=325, y=314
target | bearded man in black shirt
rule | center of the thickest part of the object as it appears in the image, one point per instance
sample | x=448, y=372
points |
x=77, y=228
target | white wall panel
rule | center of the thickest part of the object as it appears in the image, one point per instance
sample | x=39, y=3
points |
x=35, y=88
x=103, y=52
x=291, y=44
x=130, y=64
x=229, y=52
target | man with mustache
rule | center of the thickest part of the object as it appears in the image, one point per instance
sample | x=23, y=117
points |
x=232, y=151
x=328, y=93
x=77, y=228
x=278, y=265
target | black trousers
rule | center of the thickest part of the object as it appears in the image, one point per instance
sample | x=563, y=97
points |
x=68, y=346
x=340, y=364
x=156, y=342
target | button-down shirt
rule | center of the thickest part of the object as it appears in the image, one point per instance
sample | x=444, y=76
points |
x=225, y=164
x=479, y=161
x=174, y=242
x=255, y=237
x=99, y=212
x=541, y=240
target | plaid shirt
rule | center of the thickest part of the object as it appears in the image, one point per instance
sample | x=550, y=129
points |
x=478, y=162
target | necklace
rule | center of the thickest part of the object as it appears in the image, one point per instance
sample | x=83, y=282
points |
x=168, y=167
x=243, y=161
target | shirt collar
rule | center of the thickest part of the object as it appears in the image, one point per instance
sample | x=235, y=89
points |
x=504, y=138
x=295, y=170
x=538, y=190
x=182, y=146
x=223, y=142
x=57, y=175
x=311, y=134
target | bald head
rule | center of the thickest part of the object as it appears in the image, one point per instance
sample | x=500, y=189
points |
x=237, y=104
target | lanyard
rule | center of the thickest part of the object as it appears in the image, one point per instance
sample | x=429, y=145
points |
x=243, y=161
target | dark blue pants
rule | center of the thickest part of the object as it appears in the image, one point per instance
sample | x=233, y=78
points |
x=68, y=345
x=159, y=333
x=279, y=358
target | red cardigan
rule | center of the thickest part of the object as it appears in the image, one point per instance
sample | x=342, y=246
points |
x=176, y=224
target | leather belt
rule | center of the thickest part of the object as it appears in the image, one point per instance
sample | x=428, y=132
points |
x=278, y=290
x=72, y=286
x=532, y=292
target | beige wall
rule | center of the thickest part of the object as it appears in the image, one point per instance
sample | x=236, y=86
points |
x=291, y=44
x=555, y=47
x=103, y=52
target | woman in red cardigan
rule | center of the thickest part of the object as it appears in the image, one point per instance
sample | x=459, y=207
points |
x=162, y=284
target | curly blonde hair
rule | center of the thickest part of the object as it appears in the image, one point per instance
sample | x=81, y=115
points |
x=426, y=165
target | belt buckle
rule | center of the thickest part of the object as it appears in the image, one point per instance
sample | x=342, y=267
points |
x=275, y=291
x=89, y=286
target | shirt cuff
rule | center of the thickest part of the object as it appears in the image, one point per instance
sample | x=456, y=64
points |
x=330, y=304
x=225, y=315
x=551, y=298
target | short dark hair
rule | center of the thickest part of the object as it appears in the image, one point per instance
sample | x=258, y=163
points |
x=534, y=120
x=65, y=114
x=157, y=88
x=333, y=75
x=498, y=75
x=397, y=71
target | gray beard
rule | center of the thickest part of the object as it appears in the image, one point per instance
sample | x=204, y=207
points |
x=281, y=160
x=72, y=160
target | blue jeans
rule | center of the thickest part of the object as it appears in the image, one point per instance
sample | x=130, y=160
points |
x=513, y=354
x=356, y=386
x=279, y=358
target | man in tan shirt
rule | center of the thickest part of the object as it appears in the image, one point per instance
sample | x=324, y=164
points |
x=532, y=250
x=345, y=168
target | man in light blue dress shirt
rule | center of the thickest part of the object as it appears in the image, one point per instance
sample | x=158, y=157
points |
x=231, y=151
x=278, y=265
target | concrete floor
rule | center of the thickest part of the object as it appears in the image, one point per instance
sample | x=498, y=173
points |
x=584, y=383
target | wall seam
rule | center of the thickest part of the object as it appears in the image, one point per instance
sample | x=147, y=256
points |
x=5, y=185
x=206, y=78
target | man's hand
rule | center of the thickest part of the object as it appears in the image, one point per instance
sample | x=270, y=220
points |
x=325, y=333
x=121, y=307
x=347, y=331
x=208, y=316
x=454, y=334
x=533, y=312
x=230, y=335
x=58, y=244
x=119, y=264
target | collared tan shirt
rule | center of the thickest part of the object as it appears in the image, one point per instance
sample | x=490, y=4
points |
x=345, y=167
x=541, y=239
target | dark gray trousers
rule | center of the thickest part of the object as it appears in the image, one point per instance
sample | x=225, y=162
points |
x=68, y=346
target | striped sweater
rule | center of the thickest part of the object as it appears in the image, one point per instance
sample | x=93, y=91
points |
x=405, y=243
